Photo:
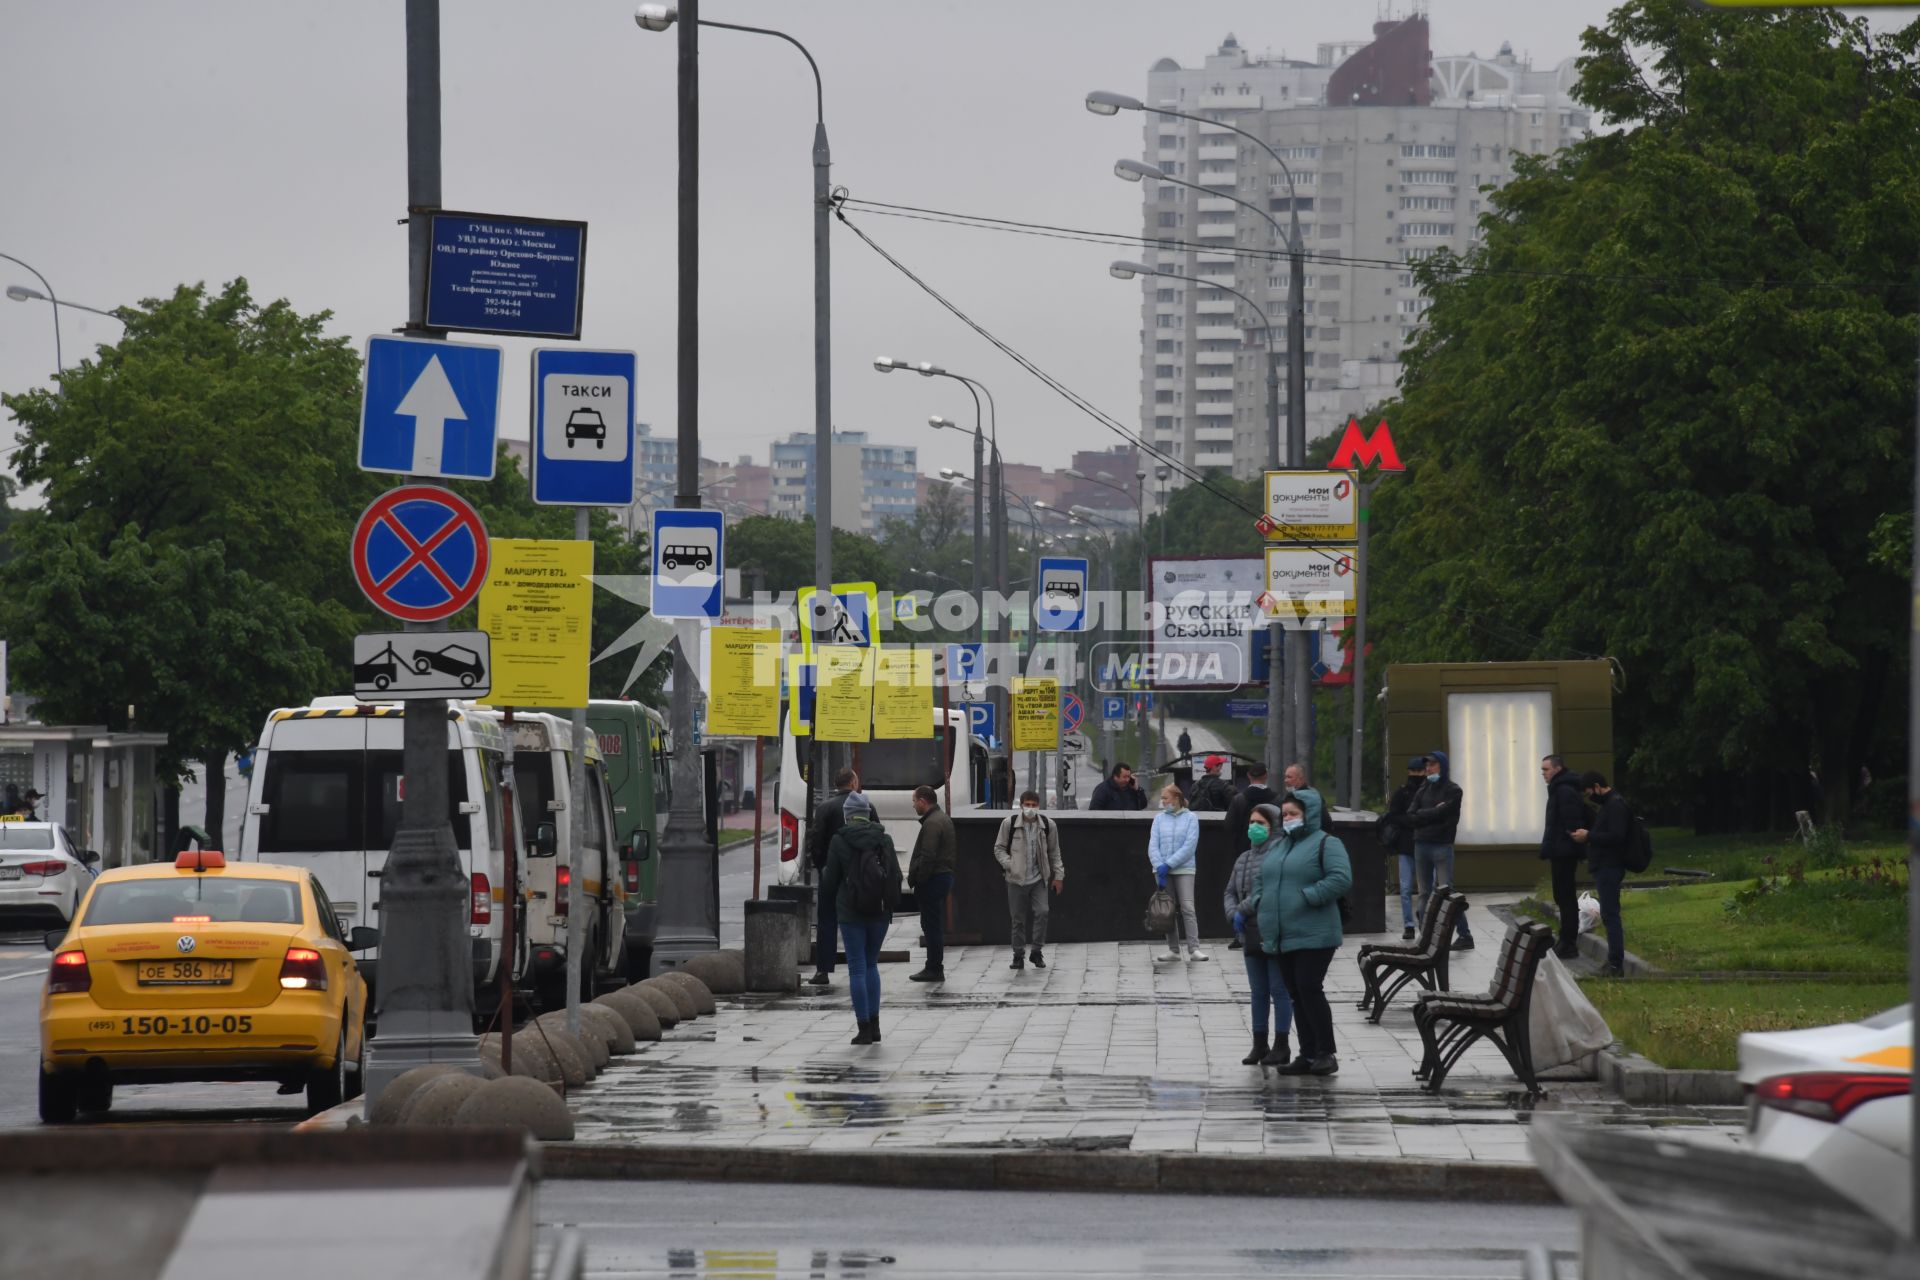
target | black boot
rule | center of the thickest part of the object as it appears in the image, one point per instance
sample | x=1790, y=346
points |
x=873, y=1027
x=1039, y=961
x=1019, y=961
x=1259, y=1051
x=869, y=1034
x=1325, y=1065
x=1281, y=1054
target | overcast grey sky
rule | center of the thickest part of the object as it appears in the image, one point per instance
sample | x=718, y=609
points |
x=148, y=144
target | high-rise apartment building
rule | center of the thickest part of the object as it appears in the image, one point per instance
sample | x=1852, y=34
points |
x=1390, y=150
x=871, y=481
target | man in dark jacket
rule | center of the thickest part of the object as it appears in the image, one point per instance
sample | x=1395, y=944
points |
x=1436, y=820
x=930, y=876
x=1212, y=793
x=1119, y=792
x=1240, y=809
x=827, y=821
x=1396, y=832
x=1566, y=813
x=863, y=932
x=1606, y=841
x=1185, y=743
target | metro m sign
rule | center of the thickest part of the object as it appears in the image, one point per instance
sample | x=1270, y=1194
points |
x=1357, y=450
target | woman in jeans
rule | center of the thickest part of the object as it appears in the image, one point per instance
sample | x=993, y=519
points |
x=1303, y=876
x=1171, y=846
x=1263, y=965
x=861, y=932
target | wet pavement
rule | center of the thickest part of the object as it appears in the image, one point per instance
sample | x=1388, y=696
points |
x=1103, y=1050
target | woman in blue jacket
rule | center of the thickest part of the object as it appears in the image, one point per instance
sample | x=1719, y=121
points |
x=1303, y=876
x=1171, y=846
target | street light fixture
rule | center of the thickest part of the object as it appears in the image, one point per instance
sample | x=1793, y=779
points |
x=59, y=362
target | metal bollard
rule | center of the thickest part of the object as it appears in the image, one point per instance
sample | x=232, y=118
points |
x=773, y=925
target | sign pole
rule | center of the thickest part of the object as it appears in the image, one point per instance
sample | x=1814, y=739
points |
x=577, y=822
x=1359, y=650
x=759, y=803
x=509, y=898
x=424, y=982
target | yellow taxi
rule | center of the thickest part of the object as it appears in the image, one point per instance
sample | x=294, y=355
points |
x=195, y=970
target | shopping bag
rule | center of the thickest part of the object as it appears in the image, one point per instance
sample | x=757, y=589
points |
x=1159, y=912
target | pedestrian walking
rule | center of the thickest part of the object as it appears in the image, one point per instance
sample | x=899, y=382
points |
x=930, y=876
x=827, y=820
x=1119, y=792
x=1436, y=820
x=1566, y=813
x=1028, y=851
x=1606, y=839
x=1268, y=986
x=863, y=924
x=1185, y=743
x=1395, y=830
x=1212, y=793
x=1296, y=778
x=1297, y=896
x=1173, y=845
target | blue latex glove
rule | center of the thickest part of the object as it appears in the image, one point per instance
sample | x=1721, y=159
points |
x=1160, y=877
x=1239, y=922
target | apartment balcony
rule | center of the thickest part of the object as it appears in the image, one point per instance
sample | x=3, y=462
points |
x=1213, y=384
x=1215, y=411
x=1203, y=461
x=1214, y=357
x=1166, y=384
x=1228, y=151
x=1208, y=433
x=1230, y=102
x=1206, y=258
x=1216, y=333
x=1215, y=307
x=1216, y=230
x=1217, y=178
x=1216, y=204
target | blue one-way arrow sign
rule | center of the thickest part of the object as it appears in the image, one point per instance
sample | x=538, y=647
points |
x=430, y=408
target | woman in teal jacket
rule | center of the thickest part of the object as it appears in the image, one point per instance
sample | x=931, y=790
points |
x=1296, y=899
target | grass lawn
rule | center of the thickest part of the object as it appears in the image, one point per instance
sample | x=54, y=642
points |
x=1743, y=856
x=1698, y=1024
x=735, y=835
x=1827, y=925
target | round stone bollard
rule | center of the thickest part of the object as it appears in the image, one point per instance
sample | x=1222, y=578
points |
x=393, y=1100
x=641, y=1019
x=531, y=1058
x=682, y=997
x=702, y=996
x=768, y=959
x=591, y=1042
x=435, y=1102
x=611, y=1026
x=723, y=972
x=665, y=1008
x=568, y=1054
x=518, y=1103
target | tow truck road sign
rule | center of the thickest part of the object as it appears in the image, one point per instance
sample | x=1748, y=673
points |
x=391, y=665
x=430, y=408
x=420, y=553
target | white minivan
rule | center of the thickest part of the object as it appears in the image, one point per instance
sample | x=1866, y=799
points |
x=889, y=768
x=326, y=795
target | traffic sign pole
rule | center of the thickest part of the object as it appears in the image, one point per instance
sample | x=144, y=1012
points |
x=577, y=820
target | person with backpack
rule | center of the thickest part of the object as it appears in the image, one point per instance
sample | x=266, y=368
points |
x=1607, y=839
x=1395, y=830
x=1173, y=846
x=1028, y=851
x=1566, y=813
x=1296, y=776
x=862, y=876
x=1436, y=821
x=1296, y=901
x=1267, y=987
x=1213, y=793
x=827, y=820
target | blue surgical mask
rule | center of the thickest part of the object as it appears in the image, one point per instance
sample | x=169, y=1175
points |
x=1166, y=807
x=1258, y=832
x=1434, y=776
x=1292, y=825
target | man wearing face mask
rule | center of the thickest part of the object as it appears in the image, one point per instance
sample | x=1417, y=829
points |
x=1028, y=851
x=1436, y=820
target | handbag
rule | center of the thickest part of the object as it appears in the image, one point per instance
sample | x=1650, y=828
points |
x=1160, y=910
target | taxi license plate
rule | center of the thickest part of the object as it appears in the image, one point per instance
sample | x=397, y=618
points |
x=185, y=973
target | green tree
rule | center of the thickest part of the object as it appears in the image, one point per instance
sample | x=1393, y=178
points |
x=1661, y=410
x=776, y=555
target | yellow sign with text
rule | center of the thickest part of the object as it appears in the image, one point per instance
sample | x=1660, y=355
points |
x=1036, y=714
x=903, y=693
x=843, y=702
x=537, y=610
x=743, y=683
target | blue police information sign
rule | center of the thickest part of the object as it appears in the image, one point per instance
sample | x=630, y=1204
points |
x=688, y=567
x=583, y=427
x=494, y=274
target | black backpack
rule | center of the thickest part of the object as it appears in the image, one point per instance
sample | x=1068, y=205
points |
x=1638, y=854
x=875, y=878
x=1212, y=795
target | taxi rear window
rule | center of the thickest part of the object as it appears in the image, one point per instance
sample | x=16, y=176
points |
x=220, y=900
x=12, y=837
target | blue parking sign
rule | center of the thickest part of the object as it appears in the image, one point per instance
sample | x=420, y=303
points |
x=982, y=721
x=1113, y=706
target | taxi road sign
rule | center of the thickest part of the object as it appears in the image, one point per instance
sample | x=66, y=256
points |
x=420, y=553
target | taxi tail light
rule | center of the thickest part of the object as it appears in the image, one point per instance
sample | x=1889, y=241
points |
x=51, y=867
x=789, y=836
x=562, y=890
x=69, y=974
x=481, y=911
x=1829, y=1095
x=303, y=970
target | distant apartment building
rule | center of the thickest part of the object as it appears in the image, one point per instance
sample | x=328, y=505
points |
x=871, y=482
x=1391, y=152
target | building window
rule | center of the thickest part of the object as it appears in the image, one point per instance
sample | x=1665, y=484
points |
x=1163, y=371
x=1169, y=141
x=1427, y=228
x=1437, y=204
x=1429, y=177
x=1169, y=218
x=1429, y=150
x=1166, y=295
x=1163, y=345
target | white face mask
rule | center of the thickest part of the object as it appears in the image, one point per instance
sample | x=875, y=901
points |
x=1292, y=825
x=1029, y=812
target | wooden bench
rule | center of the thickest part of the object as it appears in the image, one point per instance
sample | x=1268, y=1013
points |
x=1425, y=962
x=1450, y=1023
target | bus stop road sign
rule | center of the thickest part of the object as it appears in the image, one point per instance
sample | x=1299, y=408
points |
x=420, y=553
x=689, y=563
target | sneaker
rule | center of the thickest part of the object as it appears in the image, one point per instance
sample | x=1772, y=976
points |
x=1234, y=945
x=1019, y=961
x=1167, y=957
x=928, y=975
x=820, y=979
x=1406, y=934
x=1039, y=961
x=1198, y=955
x=1463, y=944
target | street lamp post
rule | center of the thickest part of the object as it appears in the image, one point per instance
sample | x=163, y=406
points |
x=1105, y=104
x=22, y=294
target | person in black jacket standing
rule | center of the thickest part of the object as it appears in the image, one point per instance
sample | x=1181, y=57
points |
x=1566, y=813
x=1396, y=832
x=827, y=821
x=1121, y=792
x=1436, y=820
x=1606, y=841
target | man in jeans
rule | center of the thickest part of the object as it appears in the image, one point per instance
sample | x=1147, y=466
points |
x=930, y=876
x=1436, y=820
x=1028, y=851
x=827, y=821
x=1606, y=842
x=1566, y=813
x=1395, y=830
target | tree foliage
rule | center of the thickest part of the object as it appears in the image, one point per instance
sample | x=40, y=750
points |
x=1659, y=413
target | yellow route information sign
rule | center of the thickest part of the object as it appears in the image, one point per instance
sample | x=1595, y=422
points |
x=1036, y=714
x=537, y=610
x=743, y=682
x=843, y=704
x=903, y=693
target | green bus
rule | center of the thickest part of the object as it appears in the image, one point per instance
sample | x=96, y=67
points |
x=635, y=749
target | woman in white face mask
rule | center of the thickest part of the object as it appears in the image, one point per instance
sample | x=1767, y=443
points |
x=1297, y=893
x=1171, y=846
x=1263, y=964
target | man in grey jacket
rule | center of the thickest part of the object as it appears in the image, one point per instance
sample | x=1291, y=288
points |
x=1028, y=851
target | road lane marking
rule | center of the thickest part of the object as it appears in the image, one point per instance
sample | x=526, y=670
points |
x=25, y=973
